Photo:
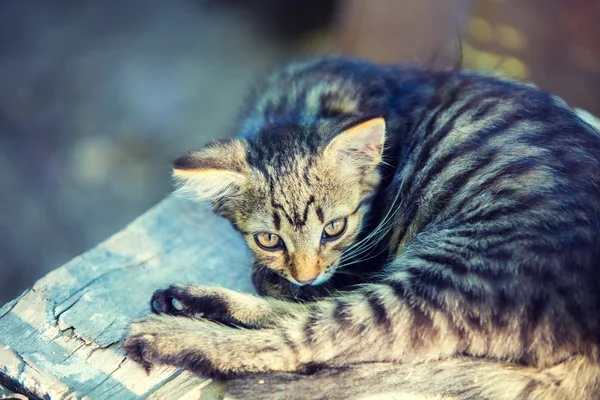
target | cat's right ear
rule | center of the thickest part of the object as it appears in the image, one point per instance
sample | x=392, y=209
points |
x=358, y=148
x=216, y=171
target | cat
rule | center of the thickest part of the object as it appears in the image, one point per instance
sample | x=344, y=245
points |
x=446, y=223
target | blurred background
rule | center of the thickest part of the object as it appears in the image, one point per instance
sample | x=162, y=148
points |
x=97, y=97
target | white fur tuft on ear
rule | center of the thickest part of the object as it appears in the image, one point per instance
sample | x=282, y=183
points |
x=207, y=184
x=217, y=171
x=360, y=146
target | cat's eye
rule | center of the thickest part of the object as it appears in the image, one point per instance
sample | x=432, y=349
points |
x=269, y=241
x=334, y=229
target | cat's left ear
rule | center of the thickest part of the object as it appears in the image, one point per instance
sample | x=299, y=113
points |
x=216, y=171
x=360, y=146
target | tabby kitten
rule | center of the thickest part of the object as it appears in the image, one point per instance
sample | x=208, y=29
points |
x=438, y=219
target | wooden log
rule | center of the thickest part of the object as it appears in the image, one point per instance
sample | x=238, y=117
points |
x=60, y=339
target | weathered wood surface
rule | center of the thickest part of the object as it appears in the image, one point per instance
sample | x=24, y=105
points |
x=60, y=338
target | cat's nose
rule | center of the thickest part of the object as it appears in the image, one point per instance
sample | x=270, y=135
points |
x=308, y=281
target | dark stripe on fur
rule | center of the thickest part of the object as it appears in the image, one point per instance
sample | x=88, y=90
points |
x=276, y=220
x=379, y=311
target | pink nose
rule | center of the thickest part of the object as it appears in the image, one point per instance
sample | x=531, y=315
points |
x=308, y=281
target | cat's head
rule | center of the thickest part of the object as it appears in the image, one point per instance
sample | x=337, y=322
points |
x=298, y=195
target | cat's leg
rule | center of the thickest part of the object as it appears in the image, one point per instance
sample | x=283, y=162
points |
x=370, y=325
x=431, y=305
x=375, y=324
x=235, y=308
x=226, y=306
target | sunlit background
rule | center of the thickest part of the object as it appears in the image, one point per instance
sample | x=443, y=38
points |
x=97, y=97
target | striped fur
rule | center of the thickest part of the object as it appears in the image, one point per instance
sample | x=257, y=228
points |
x=471, y=252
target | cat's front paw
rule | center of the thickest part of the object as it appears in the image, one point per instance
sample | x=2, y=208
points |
x=141, y=343
x=195, y=301
x=165, y=340
x=207, y=348
x=166, y=301
x=228, y=307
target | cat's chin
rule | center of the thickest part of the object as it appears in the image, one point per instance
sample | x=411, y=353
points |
x=320, y=280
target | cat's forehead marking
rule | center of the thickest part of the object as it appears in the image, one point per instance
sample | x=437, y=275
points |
x=320, y=215
x=276, y=220
x=293, y=206
x=291, y=193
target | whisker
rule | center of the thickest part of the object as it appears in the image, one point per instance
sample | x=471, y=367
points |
x=384, y=223
x=363, y=247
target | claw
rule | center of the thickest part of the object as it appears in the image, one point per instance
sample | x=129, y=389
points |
x=156, y=307
x=176, y=304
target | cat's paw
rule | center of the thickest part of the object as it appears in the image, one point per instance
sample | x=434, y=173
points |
x=140, y=342
x=166, y=301
x=190, y=301
x=195, y=301
x=207, y=348
x=228, y=307
x=164, y=340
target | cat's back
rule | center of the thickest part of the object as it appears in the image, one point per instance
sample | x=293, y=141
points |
x=515, y=138
x=482, y=141
x=325, y=91
x=503, y=179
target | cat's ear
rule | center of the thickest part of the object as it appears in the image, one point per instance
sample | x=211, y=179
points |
x=360, y=146
x=216, y=171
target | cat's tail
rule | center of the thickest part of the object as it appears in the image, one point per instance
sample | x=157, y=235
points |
x=458, y=379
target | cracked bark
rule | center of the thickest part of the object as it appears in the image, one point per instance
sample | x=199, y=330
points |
x=60, y=339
